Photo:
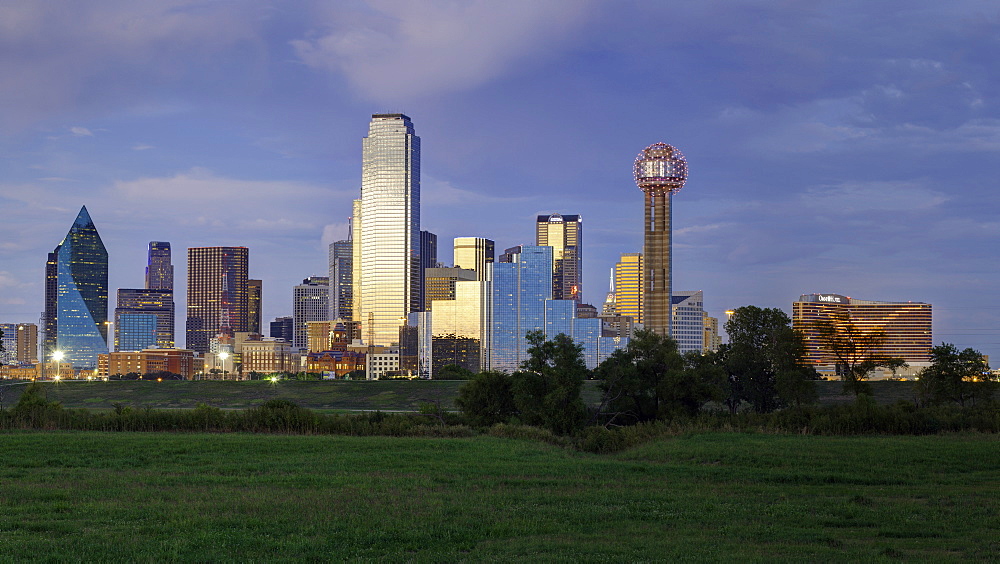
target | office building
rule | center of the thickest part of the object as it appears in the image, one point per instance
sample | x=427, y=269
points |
x=520, y=288
x=20, y=343
x=309, y=303
x=907, y=325
x=175, y=361
x=439, y=283
x=144, y=319
x=688, y=319
x=564, y=233
x=159, y=268
x=660, y=172
x=76, y=296
x=282, y=328
x=341, y=297
x=387, y=229
x=628, y=286
x=474, y=253
x=255, y=292
x=459, y=328
x=712, y=339
x=217, y=300
x=509, y=255
x=428, y=258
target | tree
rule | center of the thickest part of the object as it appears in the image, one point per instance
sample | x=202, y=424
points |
x=857, y=351
x=454, y=372
x=547, y=388
x=956, y=376
x=763, y=351
x=649, y=380
x=487, y=398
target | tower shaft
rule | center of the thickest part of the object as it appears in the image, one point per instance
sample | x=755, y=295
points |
x=656, y=259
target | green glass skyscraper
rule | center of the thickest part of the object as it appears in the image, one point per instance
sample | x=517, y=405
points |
x=76, y=296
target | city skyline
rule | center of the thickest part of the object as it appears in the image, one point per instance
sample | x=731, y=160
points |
x=838, y=154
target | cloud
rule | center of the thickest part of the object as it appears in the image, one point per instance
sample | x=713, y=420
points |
x=81, y=132
x=875, y=196
x=429, y=48
x=201, y=185
x=444, y=193
x=142, y=147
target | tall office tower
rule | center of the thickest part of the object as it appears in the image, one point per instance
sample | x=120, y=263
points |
x=217, y=300
x=688, y=321
x=20, y=343
x=144, y=319
x=564, y=233
x=428, y=259
x=474, y=253
x=711, y=328
x=628, y=286
x=387, y=229
x=341, y=280
x=509, y=255
x=159, y=269
x=255, y=292
x=76, y=296
x=907, y=325
x=460, y=326
x=309, y=303
x=439, y=283
x=520, y=288
x=660, y=172
x=281, y=328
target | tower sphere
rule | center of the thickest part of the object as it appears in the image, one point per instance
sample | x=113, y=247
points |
x=660, y=168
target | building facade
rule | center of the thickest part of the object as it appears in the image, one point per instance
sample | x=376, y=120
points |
x=309, y=303
x=688, y=319
x=628, y=288
x=218, y=296
x=475, y=253
x=341, y=298
x=255, y=293
x=564, y=233
x=660, y=172
x=76, y=296
x=520, y=288
x=907, y=325
x=459, y=328
x=439, y=284
x=387, y=229
x=144, y=319
x=20, y=343
x=159, y=268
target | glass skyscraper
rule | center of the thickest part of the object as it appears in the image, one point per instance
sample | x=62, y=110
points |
x=76, y=296
x=159, y=270
x=520, y=289
x=341, y=296
x=564, y=233
x=688, y=321
x=217, y=297
x=309, y=303
x=134, y=309
x=387, y=229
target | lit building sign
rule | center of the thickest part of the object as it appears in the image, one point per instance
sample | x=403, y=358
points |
x=833, y=299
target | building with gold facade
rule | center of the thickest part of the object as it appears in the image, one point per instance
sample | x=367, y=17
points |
x=907, y=325
x=628, y=286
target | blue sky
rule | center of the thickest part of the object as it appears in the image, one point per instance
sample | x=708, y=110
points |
x=843, y=147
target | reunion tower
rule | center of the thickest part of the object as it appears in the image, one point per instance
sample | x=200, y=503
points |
x=660, y=172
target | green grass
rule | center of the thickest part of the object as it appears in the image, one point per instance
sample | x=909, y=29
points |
x=388, y=395
x=156, y=496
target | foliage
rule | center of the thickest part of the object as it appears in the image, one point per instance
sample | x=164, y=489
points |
x=650, y=380
x=764, y=360
x=857, y=350
x=356, y=375
x=956, y=376
x=454, y=372
x=487, y=399
x=547, y=388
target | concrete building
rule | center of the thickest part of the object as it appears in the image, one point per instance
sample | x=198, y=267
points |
x=20, y=343
x=688, y=319
x=175, y=361
x=309, y=303
x=76, y=296
x=269, y=356
x=217, y=294
x=387, y=279
x=564, y=233
x=660, y=172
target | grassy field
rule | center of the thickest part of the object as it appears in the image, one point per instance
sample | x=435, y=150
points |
x=92, y=496
x=388, y=395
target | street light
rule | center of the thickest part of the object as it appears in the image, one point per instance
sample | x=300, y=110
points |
x=58, y=356
x=223, y=356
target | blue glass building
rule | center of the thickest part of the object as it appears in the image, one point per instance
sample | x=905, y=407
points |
x=76, y=296
x=136, y=331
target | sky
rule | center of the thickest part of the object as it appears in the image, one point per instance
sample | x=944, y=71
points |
x=834, y=147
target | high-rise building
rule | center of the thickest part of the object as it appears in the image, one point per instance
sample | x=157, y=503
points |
x=460, y=326
x=509, y=255
x=255, y=292
x=309, y=303
x=282, y=328
x=20, y=343
x=439, y=283
x=628, y=286
x=907, y=325
x=76, y=296
x=428, y=259
x=159, y=269
x=712, y=339
x=564, y=233
x=144, y=319
x=520, y=288
x=474, y=253
x=387, y=229
x=217, y=300
x=660, y=172
x=688, y=321
x=341, y=280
